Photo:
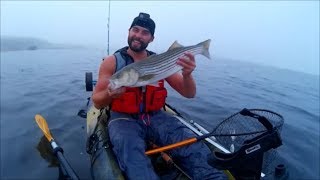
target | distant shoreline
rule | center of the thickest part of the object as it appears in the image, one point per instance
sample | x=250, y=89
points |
x=31, y=44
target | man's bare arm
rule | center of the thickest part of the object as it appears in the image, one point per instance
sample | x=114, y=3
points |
x=101, y=98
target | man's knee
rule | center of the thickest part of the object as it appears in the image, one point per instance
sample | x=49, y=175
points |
x=124, y=132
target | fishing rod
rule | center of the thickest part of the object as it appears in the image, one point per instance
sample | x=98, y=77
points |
x=108, y=25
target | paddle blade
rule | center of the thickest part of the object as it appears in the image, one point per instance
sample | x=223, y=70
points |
x=42, y=123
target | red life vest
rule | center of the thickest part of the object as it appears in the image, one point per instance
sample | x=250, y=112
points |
x=138, y=99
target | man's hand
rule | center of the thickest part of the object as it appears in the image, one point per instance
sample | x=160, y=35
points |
x=188, y=64
x=116, y=93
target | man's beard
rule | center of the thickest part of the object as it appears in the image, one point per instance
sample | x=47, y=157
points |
x=142, y=47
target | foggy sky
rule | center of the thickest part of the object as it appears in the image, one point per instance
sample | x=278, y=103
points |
x=281, y=34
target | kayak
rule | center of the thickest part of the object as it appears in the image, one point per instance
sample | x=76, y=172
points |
x=236, y=162
x=104, y=163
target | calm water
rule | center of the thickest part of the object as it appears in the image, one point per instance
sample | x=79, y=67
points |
x=51, y=82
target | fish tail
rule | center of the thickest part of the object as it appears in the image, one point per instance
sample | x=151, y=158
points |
x=205, y=50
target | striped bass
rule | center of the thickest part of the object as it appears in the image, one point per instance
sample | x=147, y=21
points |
x=156, y=67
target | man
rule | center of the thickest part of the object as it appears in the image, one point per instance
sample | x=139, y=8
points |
x=136, y=115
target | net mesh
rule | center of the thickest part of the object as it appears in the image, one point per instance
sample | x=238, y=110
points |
x=235, y=130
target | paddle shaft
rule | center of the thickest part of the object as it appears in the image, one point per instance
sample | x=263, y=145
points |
x=64, y=163
x=66, y=166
